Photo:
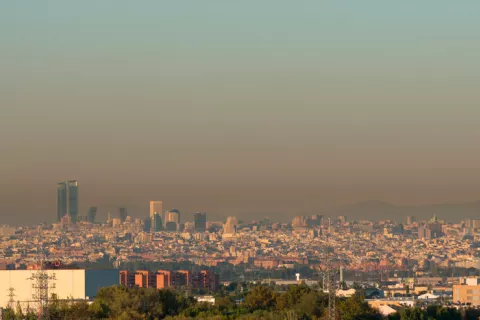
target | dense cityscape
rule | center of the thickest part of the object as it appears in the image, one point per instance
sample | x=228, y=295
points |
x=239, y=160
x=395, y=263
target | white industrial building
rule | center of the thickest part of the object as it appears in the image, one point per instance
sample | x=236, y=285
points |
x=76, y=284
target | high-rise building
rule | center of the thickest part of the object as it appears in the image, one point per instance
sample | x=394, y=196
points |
x=67, y=200
x=230, y=226
x=473, y=223
x=299, y=222
x=200, y=219
x=172, y=215
x=156, y=222
x=410, y=219
x=122, y=212
x=171, y=226
x=92, y=214
x=156, y=207
x=147, y=224
x=315, y=220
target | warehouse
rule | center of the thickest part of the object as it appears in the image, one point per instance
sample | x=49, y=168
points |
x=18, y=286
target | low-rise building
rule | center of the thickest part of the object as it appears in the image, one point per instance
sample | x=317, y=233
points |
x=75, y=284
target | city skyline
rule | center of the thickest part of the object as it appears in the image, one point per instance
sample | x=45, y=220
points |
x=368, y=210
x=240, y=160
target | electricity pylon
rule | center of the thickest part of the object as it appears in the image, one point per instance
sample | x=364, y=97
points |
x=11, y=296
x=42, y=282
x=330, y=273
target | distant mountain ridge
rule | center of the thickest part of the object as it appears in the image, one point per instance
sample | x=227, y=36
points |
x=378, y=210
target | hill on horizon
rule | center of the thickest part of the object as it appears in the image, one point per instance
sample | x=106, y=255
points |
x=378, y=210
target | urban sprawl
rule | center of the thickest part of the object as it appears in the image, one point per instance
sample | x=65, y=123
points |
x=397, y=263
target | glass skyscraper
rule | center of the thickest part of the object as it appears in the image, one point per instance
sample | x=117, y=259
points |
x=67, y=199
x=92, y=214
x=200, y=219
x=122, y=213
x=157, y=222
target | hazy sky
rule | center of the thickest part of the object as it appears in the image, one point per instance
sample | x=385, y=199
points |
x=238, y=107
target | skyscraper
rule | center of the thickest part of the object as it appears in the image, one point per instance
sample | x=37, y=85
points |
x=156, y=207
x=122, y=212
x=299, y=222
x=67, y=200
x=92, y=214
x=156, y=222
x=147, y=224
x=172, y=215
x=200, y=219
x=230, y=226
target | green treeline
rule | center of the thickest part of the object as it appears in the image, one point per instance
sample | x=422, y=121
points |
x=250, y=302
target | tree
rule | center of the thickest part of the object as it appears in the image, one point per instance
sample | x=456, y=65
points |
x=412, y=314
x=8, y=314
x=309, y=305
x=260, y=298
x=355, y=308
x=224, y=303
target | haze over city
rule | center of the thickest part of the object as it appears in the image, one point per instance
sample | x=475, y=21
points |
x=239, y=160
x=238, y=109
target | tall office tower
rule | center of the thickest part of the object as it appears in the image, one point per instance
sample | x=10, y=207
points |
x=92, y=214
x=172, y=215
x=147, y=224
x=156, y=207
x=474, y=223
x=230, y=226
x=171, y=226
x=122, y=212
x=156, y=222
x=200, y=219
x=299, y=222
x=67, y=200
x=316, y=219
x=410, y=219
